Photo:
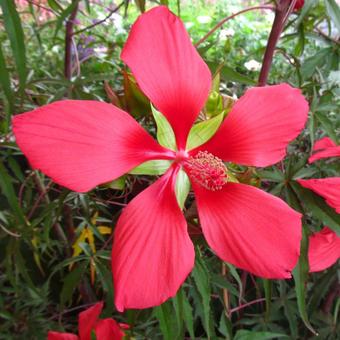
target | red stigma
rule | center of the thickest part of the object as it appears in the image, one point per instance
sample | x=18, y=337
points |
x=207, y=170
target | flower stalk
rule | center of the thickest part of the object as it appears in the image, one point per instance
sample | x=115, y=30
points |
x=282, y=11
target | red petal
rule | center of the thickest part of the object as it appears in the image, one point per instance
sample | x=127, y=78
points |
x=251, y=229
x=88, y=320
x=324, y=250
x=108, y=329
x=81, y=144
x=323, y=143
x=260, y=125
x=61, y=336
x=168, y=68
x=328, y=188
x=152, y=253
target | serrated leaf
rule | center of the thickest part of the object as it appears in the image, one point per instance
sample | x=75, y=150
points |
x=184, y=309
x=333, y=10
x=153, y=167
x=167, y=324
x=182, y=188
x=165, y=133
x=16, y=37
x=203, y=131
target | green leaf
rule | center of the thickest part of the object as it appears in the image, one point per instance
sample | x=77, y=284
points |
x=154, y=167
x=228, y=73
x=203, y=131
x=310, y=64
x=6, y=84
x=167, y=323
x=251, y=335
x=267, y=285
x=16, y=37
x=182, y=187
x=318, y=207
x=300, y=274
x=8, y=190
x=333, y=10
x=54, y=5
x=202, y=281
x=71, y=281
x=165, y=134
x=327, y=125
x=184, y=310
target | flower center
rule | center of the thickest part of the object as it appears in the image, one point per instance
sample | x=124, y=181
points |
x=207, y=170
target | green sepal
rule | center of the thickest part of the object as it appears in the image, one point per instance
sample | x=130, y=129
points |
x=203, y=131
x=118, y=184
x=182, y=188
x=165, y=133
x=153, y=167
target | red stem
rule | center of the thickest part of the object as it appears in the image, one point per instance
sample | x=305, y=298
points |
x=282, y=11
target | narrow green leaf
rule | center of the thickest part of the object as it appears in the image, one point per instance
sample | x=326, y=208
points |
x=182, y=187
x=251, y=335
x=167, y=323
x=333, y=10
x=228, y=73
x=267, y=285
x=71, y=281
x=300, y=274
x=202, y=281
x=182, y=301
x=8, y=190
x=203, y=131
x=154, y=167
x=6, y=84
x=54, y=5
x=165, y=134
x=16, y=37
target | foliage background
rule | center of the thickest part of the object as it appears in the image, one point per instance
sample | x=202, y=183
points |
x=55, y=244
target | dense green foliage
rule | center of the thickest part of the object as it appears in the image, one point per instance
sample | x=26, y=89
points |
x=49, y=268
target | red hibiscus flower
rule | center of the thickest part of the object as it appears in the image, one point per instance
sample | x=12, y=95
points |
x=81, y=144
x=106, y=329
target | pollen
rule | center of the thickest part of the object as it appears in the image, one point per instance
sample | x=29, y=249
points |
x=207, y=170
